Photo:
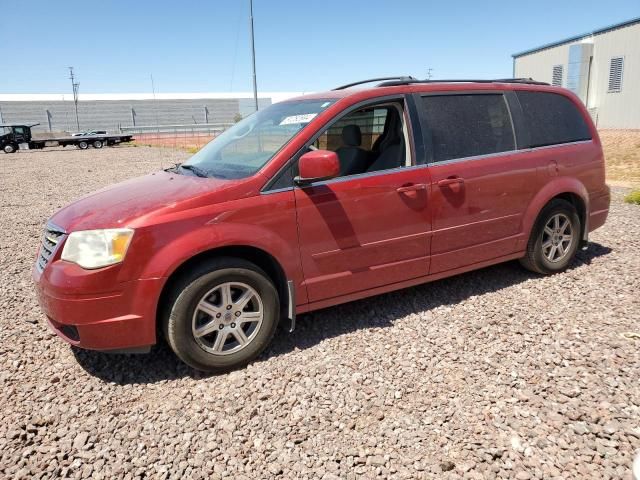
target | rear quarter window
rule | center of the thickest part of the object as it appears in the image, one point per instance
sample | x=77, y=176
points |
x=551, y=119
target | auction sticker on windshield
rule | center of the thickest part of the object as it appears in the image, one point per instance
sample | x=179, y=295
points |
x=305, y=118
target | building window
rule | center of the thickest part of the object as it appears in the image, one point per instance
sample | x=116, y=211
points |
x=556, y=77
x=615, y=74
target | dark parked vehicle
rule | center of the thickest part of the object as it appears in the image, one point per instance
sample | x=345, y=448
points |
x=321, y=200
x=18, y=136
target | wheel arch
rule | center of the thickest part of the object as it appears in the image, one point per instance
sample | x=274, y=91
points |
x=261, y=258
x=578, y=202
x=567, y=189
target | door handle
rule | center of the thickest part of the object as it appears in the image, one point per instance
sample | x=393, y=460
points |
x=450, y=181
x=411, y=188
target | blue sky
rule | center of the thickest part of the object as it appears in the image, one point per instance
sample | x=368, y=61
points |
x=310, y=45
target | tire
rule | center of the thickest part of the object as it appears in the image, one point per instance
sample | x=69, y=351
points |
x=549, y=250
x=83, y=145
x=9, y=149
x=218, y=347
x=97, y=144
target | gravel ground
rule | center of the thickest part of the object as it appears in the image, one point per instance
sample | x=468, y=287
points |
x=495, y=373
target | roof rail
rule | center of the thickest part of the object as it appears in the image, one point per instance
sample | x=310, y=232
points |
x=396, y=82
x=403, y=79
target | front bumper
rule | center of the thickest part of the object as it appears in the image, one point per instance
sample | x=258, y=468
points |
x=120, y=317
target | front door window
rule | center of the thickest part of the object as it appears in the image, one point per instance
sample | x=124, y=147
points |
x=369, y=139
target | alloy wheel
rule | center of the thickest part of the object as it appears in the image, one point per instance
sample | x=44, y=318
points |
x=557, y=238
x=227, y=318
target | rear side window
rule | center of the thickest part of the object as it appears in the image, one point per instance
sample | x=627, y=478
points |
x=468, y=125
x=551, y=119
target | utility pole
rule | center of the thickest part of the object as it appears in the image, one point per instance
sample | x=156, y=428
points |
x=253, y=55
x=75, y=85
x=155, y=103
x=429, y=70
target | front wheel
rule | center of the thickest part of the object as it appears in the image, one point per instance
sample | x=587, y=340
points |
x=9, y=149
x=83, y=145
x=554, y=239
x=221, y=315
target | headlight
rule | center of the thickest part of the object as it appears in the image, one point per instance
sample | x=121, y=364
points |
x=97, y=248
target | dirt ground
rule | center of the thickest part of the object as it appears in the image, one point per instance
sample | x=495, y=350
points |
x=187, y=141
x=622, y=157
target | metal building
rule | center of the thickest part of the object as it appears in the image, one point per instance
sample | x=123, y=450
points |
x=602, y=67
x=112, y=112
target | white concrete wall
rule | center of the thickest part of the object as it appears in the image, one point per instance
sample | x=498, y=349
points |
x=612, y=110
x=104, y=111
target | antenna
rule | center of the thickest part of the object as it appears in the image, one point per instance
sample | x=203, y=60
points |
x=75, y=86
x=253, y=55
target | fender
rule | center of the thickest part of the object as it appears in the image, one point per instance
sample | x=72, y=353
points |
x=182, y=247
x=553, y=188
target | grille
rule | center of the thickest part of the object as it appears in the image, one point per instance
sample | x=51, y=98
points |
x=50, y=241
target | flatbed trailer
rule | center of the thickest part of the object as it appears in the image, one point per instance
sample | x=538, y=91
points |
x=18, y=137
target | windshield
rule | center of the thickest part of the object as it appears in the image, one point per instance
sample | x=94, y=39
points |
x=243, y=149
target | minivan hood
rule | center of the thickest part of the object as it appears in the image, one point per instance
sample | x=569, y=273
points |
x=118, y=205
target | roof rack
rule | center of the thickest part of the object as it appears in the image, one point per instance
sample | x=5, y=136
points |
x=402, y=79
x=408, y=79
x=395, y=82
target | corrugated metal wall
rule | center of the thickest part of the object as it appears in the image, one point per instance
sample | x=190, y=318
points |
x=610, y=109
x=110, y=114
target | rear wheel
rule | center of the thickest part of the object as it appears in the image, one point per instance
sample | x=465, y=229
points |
x=554, y=239
x=83, y=145
x=97, y=144
x=9, y=149
x=221, y=315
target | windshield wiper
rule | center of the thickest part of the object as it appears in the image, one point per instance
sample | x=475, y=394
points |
x=197, y=170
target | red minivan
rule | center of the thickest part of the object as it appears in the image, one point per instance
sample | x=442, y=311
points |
x=321, y=200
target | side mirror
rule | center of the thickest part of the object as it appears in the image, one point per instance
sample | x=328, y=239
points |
x=317, y=165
